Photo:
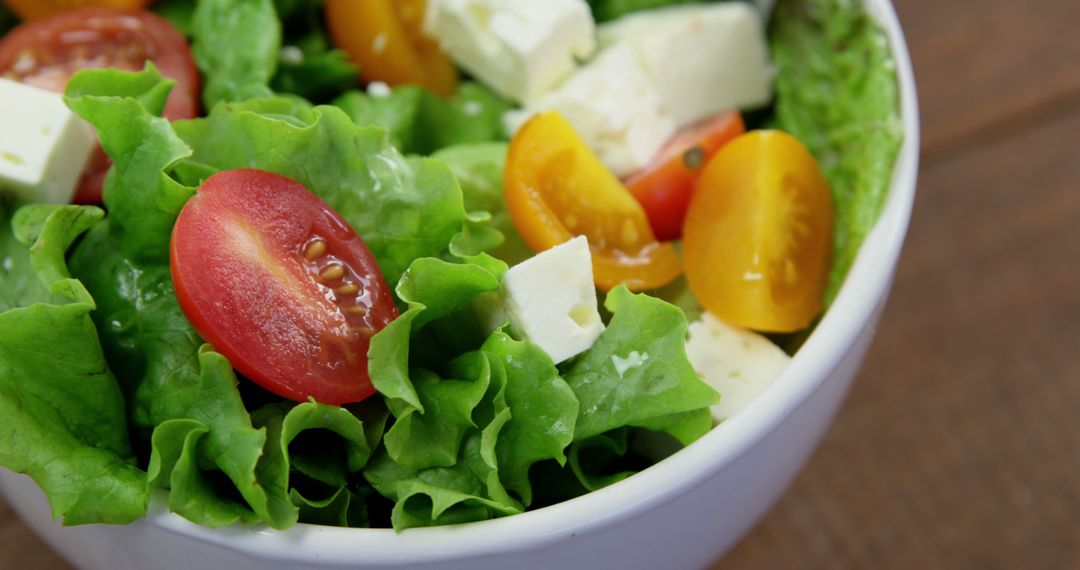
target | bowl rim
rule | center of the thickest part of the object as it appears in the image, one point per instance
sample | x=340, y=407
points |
x=867, y=284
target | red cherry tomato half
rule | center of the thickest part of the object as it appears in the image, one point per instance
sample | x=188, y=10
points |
x=45, y=53
x=280, y=284
x=665, y=186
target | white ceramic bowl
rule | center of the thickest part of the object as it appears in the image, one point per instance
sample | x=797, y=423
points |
x=684, y=512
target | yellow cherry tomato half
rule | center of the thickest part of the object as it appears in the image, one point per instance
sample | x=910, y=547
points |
x=758, y=234
x=556, y=188
x=37, y=9
x=387, y=40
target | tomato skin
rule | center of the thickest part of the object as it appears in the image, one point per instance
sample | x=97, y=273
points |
x=47, y=52
x=37, y=9
x=664, y=187
x=280, y=284
x=556, y=188
x=757, y=240
x=92, y=184
x=386, y=39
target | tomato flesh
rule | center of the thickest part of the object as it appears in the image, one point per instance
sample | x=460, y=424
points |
x=758, y=234
x=556, y=188
x=664, y=187
x=279, y=283
x=46, y=53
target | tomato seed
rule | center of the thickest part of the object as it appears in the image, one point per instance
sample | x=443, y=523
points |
x=347, y=290
x=332, y=272
x=694, y=157
x=315, y=250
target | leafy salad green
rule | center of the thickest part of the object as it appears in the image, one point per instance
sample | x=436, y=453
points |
x=108, y=393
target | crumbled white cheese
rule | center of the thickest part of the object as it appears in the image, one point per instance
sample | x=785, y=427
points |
x=703, y=58
x=520, y=48
x=550, y=299
x=614, y=106
x=739, y=363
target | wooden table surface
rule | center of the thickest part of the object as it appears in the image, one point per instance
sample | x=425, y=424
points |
x=960, y=444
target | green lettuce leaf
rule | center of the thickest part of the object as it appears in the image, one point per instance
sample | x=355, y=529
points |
x=326, y=444
x=442, y=479
x=479, y=169
x=19, y=286
x=403, y=208
x=490, y=415
x=143, y=202
x=432, y=437
x=169, y=375
x=179, y=13
x=591, y=459
x=469, y=470
x=174, y=465
x=637, y=372
x=432, y=414
x=397, y=113
x=291, y=10
x=314, y=74
x=467, y=490
x=345, y=508
x=314, y=450
x=421, y=122
x=236, y=47
x=465, y=433
x=432, y=289
x=232, y=445
x=61, y=410
x=543, y=410
x=308, y=65
x=685, y=427
x=436, y=496
x=836, y=91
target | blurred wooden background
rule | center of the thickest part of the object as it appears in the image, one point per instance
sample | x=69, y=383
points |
x=960, y=444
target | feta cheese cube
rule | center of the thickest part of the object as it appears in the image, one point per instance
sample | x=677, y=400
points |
x=614, y=106
x=550, y=300
x=739, y=363
x=702, y=58
x=520, y=48
x=43, y=145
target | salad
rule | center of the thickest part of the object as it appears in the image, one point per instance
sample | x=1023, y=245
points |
x=400, y=264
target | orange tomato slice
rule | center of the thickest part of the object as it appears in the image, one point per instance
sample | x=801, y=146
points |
x=556, y=188
x=386, y=39
x=758, y=234
x=37, y=9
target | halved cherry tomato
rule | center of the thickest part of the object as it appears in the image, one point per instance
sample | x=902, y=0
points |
x=556, y=188
x=664, y=186
x=37, y=9
x=45, y=53
x=280, y=284
x=758, y=234
x=386, y=39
